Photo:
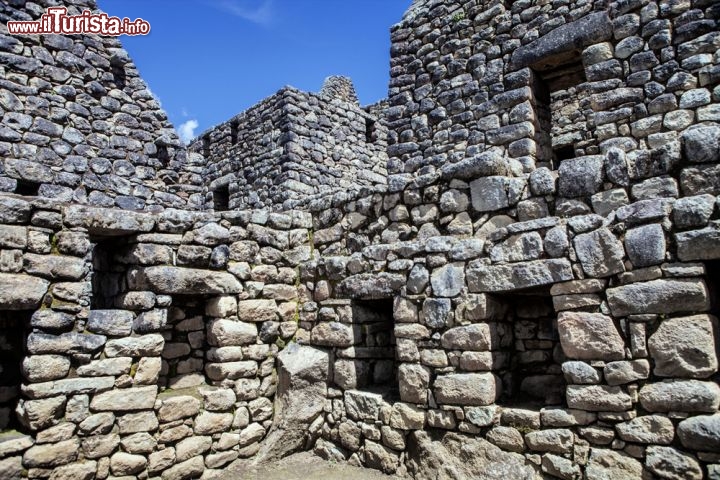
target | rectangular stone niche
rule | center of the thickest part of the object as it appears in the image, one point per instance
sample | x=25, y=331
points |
x=562, y=125
x=13, y=325
x=108, y=277
x=530, y=360
x=183, y=356
x=373, y=357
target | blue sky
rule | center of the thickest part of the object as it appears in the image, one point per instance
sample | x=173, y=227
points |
x=207, y=60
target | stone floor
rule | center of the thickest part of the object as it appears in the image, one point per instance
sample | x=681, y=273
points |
x=304, y=466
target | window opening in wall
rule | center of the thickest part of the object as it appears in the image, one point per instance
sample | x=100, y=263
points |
x=370, y=126
x=13, y=330
x=556, y=109
x=163, y=155
x=206, y=147
x=28, y=189
x=108, y=277
x=119, y=75
x=374, y=356
x=221, y=198
x=530, y=358
x=233, y=132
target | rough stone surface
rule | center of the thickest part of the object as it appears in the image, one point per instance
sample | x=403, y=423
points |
x=684, y=347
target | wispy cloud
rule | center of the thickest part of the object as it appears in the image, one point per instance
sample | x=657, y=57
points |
x=186, y=131
x=260, y=12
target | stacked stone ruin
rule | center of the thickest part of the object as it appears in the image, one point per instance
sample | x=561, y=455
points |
x=507, y=269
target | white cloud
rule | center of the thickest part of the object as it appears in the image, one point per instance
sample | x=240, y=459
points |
x=253, y=11
x=186, y=131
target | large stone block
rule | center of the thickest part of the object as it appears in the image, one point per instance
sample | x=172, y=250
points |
x=183, y=281
x=414, y=381
x=506, y=278
x=598, y=398
x=55, y=267
x=448, y=280
x=142, y=346
x=680, y=396
x=65, y=343
x=229, y=333
x=125, y=399
x=580, y=177
x=257, y=310
x=21, y=292
x=652, y=429
x=436, y=312
x=684, y=347
x=659, y=296
x=51, y=455
x=334, y=334
x=363, y=406
x=115, y=323
x=672, y=464
x=646, y=245
x=703, y=244
x=600, y=253
x=701, y=433
x=371, y=286
x=476, y=337
x=104, y=221
x=474, y=389
x=489, y=193
x=590, y=336
x=606, y=464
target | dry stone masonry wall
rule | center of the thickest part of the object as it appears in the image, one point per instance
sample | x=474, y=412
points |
x=508, y=269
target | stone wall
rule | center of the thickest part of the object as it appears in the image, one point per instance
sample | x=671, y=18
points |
x=80, y=125
x=294, y=148
x=175, y=374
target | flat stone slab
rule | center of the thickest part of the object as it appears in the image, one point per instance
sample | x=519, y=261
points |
x=506, y=278
x=184, y=281
x=108, y=221
x=21, y=292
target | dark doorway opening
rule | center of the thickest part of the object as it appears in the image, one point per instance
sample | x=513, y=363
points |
x=221, y=198
x=234, y=132
x=370, y=127
x=13, y=330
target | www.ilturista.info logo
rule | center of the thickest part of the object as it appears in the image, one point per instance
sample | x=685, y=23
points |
x=56, y=20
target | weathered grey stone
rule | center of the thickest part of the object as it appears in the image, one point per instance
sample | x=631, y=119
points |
x=68, y=386
x=703, y=244
x=700, y=433
x=600, y=253
x=518, y=248
x=369, y=286
x=647, y=429
x=43, y=368
x=186, y=470
x=231, y=370
x=184, y=281
x=414, y=381
x=126, y=399
x=40, y=414
x=598, y=398
x=606, y=464
x=64, y=343
x=475, y=389
x=407, y=417
x=302, y=387
x=142, y=346
x=506, y=278
x=448, y=280
x=590, y=336
x=700, y=143
x=658, y=296
x=176, y=408
x=452, y=455
x=489, y=193
x=122, y=463
x=550, y=440
x=417, y=279
x=580, y=177
x=103, y=221
x=21, y=292
x=106, y=367
x=620, y=373
x=667, y=462
x=363, y=405
x=580, y=373
x=693, y=211
x=680, y=396
x=381, y=458
x=436, y=311
x=14, y=210
x=52, y=455
x=645, y=245
x=257, y=310
x=114, y=323
x=228, y=333
x=588, y=30
x=477, y=337
x=684, y=347
x=560, y=467
x=507, y=438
